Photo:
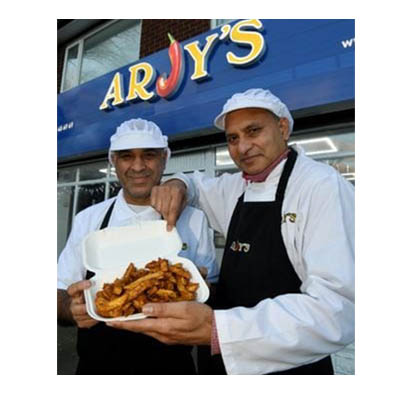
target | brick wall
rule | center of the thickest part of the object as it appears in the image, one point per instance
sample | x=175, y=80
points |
x=154, y=32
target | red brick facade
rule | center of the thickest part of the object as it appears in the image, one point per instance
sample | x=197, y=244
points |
x=154, y=32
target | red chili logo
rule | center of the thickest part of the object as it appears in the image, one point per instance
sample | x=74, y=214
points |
x=166, y=87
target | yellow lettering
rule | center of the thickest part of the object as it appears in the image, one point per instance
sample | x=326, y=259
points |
x=115, y=92
x=137, y=89
x=200, y=57
x=243, y=37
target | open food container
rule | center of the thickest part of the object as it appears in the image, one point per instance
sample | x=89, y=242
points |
x=108, y=253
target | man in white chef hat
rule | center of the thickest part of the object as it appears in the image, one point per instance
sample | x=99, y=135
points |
x=285, y=295
x=139, y=152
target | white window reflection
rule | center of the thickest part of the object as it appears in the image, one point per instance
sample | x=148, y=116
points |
x=67, y=174
x=110, y=49
x=71, y=70
x=65, y=196
x=93, y=171
x=113, y=46
x=317, y=146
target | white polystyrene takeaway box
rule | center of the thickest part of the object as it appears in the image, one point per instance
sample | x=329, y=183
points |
x=109, y=251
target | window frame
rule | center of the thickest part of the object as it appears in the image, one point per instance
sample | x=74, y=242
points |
x=80, y=42
x=215, y=25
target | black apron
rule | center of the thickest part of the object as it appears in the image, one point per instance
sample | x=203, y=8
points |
x=255, y=266
x=105, y=350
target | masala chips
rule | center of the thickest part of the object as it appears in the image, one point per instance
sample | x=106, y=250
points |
x=158, y=282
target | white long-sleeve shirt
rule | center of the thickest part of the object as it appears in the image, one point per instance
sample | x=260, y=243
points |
x=293, y=329
x=192, y=227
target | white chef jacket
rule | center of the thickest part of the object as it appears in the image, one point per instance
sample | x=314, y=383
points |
x=293, y=329
x=192, y=227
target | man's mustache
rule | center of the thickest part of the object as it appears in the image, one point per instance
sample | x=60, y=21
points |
x=134, y=174
x=248, y=156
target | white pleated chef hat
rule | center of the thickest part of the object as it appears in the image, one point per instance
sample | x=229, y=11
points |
x=254, y=98
x=138, y=133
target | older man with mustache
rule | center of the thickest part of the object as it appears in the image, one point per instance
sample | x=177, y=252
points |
x=285, y=295
x=139, y=153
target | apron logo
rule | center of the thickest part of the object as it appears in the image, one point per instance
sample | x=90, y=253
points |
x=290, y=216
x=240, y=247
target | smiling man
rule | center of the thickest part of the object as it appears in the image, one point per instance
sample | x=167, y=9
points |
x=285, y=296
x=138, y=170
x=256, y=138
x=139, y=153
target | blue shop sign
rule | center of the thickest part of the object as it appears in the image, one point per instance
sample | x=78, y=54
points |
x=309, y=64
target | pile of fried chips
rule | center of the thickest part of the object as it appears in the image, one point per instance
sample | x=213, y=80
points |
x=159, y=281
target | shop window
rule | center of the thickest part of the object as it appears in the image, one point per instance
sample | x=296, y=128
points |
x=184, y=162
x=65, y=196
x=224, y=162
x=113, y=172
x=71, y=69
x=93, y=171
x=79, y=187
x=113, y=46
x=66, y=175
x=335, y=149
x=115, y=186
x=90, y=194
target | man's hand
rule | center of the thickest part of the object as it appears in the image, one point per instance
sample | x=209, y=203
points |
x=78, y=305
x=173, y=323
x=204, y=271
x=169, y=199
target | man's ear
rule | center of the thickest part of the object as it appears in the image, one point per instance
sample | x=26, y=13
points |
x=164, y=155
x=111, y=157
x=284, y=128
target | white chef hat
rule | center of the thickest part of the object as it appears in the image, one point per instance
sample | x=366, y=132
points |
x=254, y=98
x=138, y=133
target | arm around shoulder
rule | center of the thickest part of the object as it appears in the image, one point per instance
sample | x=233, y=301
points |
x=216, y=196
